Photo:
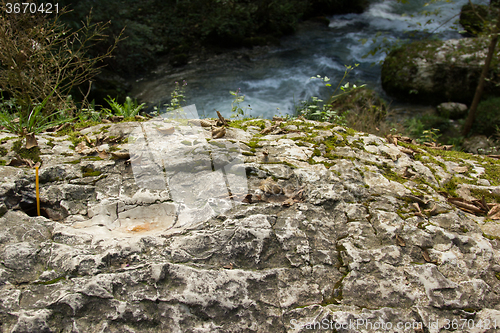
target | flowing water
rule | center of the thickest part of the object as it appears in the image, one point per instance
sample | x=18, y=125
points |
x=275, y=79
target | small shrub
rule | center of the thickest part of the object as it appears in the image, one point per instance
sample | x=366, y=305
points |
x=487, y=117
x=128, y=109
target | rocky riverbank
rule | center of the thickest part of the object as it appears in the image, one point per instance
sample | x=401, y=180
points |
x=433, y=72
x=335, y=227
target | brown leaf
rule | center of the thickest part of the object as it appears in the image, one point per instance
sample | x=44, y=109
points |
x=137, y=117
x=426, y=256
x=392, y=139
x=218, y=132
x=400, y=241
x=460, y=169
x=17, y=162
x=288, y=202
x=82, y=148
x=494, y=212
x=31, y=141
x=268, y=130
x=221, y=118
x=120, y=155
x=102, y=154
x=88, y=140
x=116, y=119
x=465, y=205
x=406, y=150
x=230, y=266
x=166, y=130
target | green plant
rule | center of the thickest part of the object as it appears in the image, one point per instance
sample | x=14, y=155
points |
x=40, y=56
x=176, y=98
x=34, y=122
x=128, y=109
x=487, y=119
x=314, y=110
x=90, y=113
x=236, y=109
x=430, y=135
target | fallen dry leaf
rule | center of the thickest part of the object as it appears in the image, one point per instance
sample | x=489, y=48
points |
x=392, y=139
x=83, y=149
x=218, y=132
x=102, y=154
x=120, y=155
x=116, y=119
x=466, y=205
x=31, y=141
x=426, y=256
x=166, y=130
x=400, y=241
x=16, y=162
x=494, y=212
x=460, y=169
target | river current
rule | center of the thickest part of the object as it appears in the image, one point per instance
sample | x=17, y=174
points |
x=275, y=79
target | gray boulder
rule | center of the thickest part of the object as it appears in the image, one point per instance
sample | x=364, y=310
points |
x=433, y=72
x=345, y=235
x=452, y=110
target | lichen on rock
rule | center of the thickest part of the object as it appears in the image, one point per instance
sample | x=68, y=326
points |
x=359, y=231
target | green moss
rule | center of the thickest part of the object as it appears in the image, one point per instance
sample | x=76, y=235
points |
x=247, y=153
x=104, y=129
x=491, y=237
x=488, y=196
x=113, y=148
x=92, y=158
x=497, y=275
x=451, y=186
x=244, y=123
x=253, y=144
x=217, y=143
x=75, y=138
x=3, y=151
x=189, y=143
x=4, y=140
x=66, y=154
x=3, y=163
x=282, y=162
x=89, y=172
x=52, y=281
x=491, y=171
x=31, y=154
x=50, y=143
x=73, y=162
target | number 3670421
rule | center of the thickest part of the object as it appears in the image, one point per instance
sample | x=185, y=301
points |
x=31, y=8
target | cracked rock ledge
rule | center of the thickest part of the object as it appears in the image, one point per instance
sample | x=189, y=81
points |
x=353, y=233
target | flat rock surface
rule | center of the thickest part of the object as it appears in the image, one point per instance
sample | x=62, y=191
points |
x=315, y=228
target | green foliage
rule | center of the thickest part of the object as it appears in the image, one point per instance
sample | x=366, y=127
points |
x=155, y=27
x=39, y=56
x=91, y=114
x=177, y=97
x=236, y=109
x=128, y=109
x=488, y=117
x=34, y=122
x=31, y=154
x=314, y=109
x=426, y=128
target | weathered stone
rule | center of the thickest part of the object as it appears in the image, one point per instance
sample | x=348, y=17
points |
x=346, y=240
x=436, y=71
x=452, y=110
